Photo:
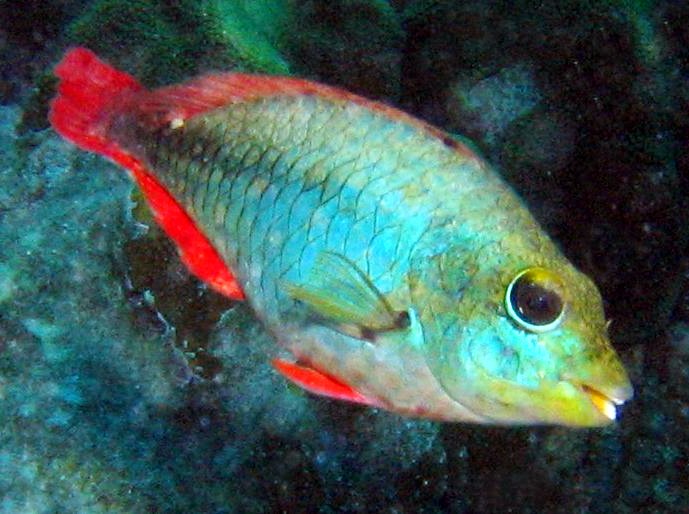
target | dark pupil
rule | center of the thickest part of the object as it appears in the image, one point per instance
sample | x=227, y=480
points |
x=535, y=304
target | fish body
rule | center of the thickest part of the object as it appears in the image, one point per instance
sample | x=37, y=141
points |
x=392, y=262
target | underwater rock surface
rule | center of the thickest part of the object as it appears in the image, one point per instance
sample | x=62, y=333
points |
x=116, y=392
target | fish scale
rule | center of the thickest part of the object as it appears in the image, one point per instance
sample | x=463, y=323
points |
x=392, y=262
x=361, y=181
x=251, y=176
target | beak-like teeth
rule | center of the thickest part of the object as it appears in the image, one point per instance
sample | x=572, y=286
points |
x=604, y=404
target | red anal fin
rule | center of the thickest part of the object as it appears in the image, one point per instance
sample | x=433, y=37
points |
x=195, y=250
x=319, y=383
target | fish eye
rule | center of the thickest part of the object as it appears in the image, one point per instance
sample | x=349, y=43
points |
x=533, y=300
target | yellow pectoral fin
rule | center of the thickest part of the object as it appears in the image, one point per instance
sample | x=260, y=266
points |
x=340, y=293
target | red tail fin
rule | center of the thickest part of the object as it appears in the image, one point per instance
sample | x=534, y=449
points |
x=88, y=91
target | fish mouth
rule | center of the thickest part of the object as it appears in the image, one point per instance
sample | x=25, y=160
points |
x=606, y=403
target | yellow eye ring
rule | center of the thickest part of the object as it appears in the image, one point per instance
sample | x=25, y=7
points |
x=533, y=300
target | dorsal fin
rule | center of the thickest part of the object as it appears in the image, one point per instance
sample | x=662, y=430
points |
x=177, y=103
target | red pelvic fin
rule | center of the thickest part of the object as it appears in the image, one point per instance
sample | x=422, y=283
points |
x=90, y=92
x=319, y=383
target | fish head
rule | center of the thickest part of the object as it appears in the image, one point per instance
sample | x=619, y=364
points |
x=529, y=345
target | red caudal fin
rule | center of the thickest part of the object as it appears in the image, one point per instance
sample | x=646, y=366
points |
x=89, y=94
x=319, y=383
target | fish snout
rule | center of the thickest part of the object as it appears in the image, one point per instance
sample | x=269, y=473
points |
x=608, y=401
x=605, y=395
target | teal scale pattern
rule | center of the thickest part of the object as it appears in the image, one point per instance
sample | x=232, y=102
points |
x=276, y=181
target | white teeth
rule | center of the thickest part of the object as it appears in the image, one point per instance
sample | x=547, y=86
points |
x=604, y=404
x=608, y=408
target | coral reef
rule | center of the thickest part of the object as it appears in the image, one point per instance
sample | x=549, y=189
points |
x=161, y=42
x=126, y=386
x=332, y=36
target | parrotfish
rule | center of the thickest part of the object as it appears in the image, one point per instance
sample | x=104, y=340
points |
x=391, y=262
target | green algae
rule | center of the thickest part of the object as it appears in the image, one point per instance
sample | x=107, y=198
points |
x=165, y=42
x=253, y=31
x=150, y=36
x=8, y=286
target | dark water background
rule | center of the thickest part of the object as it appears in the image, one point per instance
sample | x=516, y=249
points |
x=125, y=386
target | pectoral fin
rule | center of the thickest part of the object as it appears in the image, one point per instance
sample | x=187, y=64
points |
x=319, y=383
x=340, y=293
